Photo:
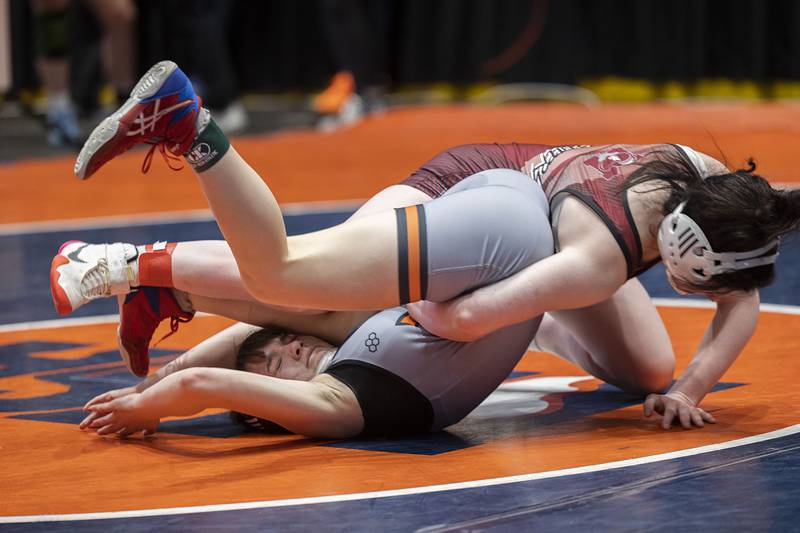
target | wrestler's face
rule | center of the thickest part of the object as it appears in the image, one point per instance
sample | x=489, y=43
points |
x=292, y=356
x=683, y=288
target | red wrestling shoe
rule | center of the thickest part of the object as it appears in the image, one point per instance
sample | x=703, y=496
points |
x=162, y=111
x=139, y=315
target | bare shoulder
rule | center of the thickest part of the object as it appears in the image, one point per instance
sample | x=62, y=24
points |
x=581, y=231
x=713, y=166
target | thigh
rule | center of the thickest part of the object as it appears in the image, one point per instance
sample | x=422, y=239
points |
x=493, y=225
x=332, y=326
x=626, y=338
x=436, y=250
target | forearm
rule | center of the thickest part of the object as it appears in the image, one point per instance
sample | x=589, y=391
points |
x=310, y=408
x=725, y=338
x=217, y=351
x=563, y=281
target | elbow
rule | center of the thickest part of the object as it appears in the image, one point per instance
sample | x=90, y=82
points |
x=193, y=381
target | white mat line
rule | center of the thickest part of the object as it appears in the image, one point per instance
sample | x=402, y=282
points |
x=164, y=217
x=67, y=322
x=790, y=430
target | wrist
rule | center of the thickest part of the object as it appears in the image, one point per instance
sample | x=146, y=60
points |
x=141, y=403
x=681, y=396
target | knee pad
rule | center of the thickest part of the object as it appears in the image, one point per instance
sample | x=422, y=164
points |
x=53, y=34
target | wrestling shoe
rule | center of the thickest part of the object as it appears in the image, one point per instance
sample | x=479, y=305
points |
x=333, y=98
x=140, y=313
x=83, y=272
x=163, y=111
x=339, y=104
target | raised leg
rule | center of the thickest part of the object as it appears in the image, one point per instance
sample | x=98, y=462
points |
x=208, y=268
x=332, y=326
x=354, y=265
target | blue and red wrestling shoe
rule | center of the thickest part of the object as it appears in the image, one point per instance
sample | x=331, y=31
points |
x=162, y=111
x=140, y=313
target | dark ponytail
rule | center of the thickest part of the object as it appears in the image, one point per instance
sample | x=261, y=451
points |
x=738, y=211
x=787, y=210
x=666, y=171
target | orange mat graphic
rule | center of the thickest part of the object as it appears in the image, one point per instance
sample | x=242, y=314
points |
x=51, y=467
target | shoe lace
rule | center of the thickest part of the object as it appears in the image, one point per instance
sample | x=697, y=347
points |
x=168, y=155
x=95, y=283
x=174, y=323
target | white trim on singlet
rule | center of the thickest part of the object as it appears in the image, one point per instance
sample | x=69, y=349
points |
x=696, y=159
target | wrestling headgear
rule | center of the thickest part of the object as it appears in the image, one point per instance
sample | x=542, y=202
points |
x=688, y=254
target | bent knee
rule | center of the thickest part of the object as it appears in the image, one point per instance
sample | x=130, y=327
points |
x=653, y=379
x=255, y=285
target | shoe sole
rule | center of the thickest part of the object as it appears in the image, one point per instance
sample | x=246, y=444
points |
x=147, y=86
x=126, y=358
x=142, y=366
x=60, y=298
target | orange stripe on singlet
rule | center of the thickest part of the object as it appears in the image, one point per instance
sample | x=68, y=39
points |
x=412, y=223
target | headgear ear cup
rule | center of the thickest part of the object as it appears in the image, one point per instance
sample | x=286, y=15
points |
x=688, y=255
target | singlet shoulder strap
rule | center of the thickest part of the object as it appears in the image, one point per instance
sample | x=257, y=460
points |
x=694, y=158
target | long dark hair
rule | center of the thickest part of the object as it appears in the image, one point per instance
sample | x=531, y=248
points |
x=738, y=211
x=250, y=352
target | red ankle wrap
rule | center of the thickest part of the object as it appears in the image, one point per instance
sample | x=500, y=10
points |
x=155, y=265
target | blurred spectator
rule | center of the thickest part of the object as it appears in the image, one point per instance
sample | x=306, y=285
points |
x=54, y=41
x=119, y=49
x=194, y=34
x=358, y=33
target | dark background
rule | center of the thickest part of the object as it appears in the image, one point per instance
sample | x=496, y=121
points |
x=278, y=45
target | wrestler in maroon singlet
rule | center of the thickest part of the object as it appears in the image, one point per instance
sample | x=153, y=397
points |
x=592, y=174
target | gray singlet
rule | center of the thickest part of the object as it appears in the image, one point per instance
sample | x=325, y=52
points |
x=486, y=228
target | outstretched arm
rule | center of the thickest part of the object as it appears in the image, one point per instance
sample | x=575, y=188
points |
x=218, y=350
x=323, y=407
x=727, y=334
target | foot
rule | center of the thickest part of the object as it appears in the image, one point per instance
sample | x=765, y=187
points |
x=82, y=272
x=162, y=111
x=140, y=313
x=62, y=127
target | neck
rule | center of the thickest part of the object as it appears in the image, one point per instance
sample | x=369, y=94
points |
x=325, y=360
x=647, y=210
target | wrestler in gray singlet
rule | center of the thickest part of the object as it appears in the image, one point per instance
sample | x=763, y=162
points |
x=484, y=229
